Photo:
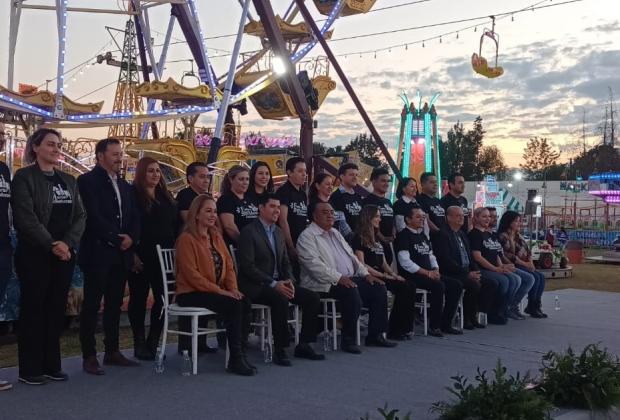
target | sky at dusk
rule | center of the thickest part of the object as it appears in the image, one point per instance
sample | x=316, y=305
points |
x=558, y=62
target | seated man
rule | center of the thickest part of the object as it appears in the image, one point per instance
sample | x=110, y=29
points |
x=328, y=266
x=418, y=265
x=266, y=277
x=453, y=253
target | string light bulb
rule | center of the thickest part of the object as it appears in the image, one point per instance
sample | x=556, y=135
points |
x=406, y=46
x=440, y=41
x=422, y=44
x=457, y=35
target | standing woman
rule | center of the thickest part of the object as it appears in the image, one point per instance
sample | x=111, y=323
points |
x=261, y=180
x=369, y=250
x=235, y=207
x=406, y=193
x=206, y=278
x=159, y=222
x=49, y=219
x=321, y=188
x=517, y=252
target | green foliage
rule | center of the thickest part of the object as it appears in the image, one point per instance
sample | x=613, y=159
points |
x=503, y=397
x=589, y=380
x=538, y=156
x=367, y=148
x=602, y=158
x=461, y=152
x=491, y=162
x=388, y=414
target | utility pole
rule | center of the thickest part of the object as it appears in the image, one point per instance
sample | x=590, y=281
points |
x=612, y=124
x=583, y=131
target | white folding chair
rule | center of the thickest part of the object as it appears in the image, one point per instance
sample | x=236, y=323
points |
x=423, y=305
x=295, y=322
x=330, y=314
x=482, y=318
x=460, y=313
x=167, y=265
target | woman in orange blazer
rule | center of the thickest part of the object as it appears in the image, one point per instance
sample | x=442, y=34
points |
x=206, y=278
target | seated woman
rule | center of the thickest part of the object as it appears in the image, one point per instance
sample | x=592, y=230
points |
x=486, y=252
x=206, y=278
x=369, y=251
x=516, y=250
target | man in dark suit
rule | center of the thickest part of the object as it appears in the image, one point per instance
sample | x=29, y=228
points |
x=266, y=277
x=453, y=253
x=106, y=252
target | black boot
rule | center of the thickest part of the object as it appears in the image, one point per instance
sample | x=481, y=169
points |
x=237, y=364
x=539, y=309
x=244, y=354
x=140, y=349
x=532, y=309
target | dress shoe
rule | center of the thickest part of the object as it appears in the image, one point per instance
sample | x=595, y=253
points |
x=91, y=365
x=379, y=341
x=400, y=337
x=478, y=325
x=514, y=313
x=118, y=359
x=143, y=352
x=280, y=358
x=305, y=351
x=59, y=376
x=435, y=332
x=497, y=320
x=5, y=386
x=33, y=380
x=450, y=330
x=237, y=365
x=351, y=347
x=469, y=326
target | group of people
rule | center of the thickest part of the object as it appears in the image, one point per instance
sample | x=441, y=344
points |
x=289, y=248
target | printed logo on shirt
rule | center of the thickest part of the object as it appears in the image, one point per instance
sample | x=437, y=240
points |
x=422, y=248
x=298, y=209
x=492, y=244
x=386, y=211
x=465, y=210
x=377, y=249
x=60, y=195
x=438, y=210
x=353, y=209
x=5, y=188
x=249, y=211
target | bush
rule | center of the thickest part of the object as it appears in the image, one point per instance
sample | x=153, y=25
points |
x=590, y=380
x=502, y=398
x=388, y=414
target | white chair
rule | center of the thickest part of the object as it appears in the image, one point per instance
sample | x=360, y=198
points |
x=423, y=305
x=330, y=314
x=167, y=265
x=460, y=313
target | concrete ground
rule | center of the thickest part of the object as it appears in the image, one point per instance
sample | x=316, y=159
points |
x=409, y=377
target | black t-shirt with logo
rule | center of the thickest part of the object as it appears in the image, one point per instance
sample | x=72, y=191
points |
x=402, y=208
x=349, y=204
x=243, y=210
x=387, y=212
x=373, y=256
x=185, y=198
x=449, y=200
x=5, y=198
x=418, y=245
x=297, y=202
x=432, y=207
x=62, y=204
x=486, y=243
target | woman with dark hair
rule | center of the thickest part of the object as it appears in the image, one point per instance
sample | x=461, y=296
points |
x=321, y=188
x=406, y=193
x=235, y=207
x=516, y=250
x=369, y=251
x=261, y=180
x=159, y=223
x=206, y=278
x=49, y=218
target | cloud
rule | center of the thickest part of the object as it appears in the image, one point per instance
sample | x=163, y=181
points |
x=605, y=27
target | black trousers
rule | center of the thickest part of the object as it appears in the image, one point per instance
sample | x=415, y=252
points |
x=234, y=313
x=487, y=296
x=403, y=310
x=44, y=282
x=139, y=285
x=440, y=316
x=308, y=301
x=471, y=298
x=107, y=282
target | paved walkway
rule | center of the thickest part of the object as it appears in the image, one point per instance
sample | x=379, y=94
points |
x=410, y=377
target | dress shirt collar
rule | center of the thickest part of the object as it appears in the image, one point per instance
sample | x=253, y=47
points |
x=345, y=190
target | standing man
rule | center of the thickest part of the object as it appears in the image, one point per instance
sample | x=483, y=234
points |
x=418, y=264
x=293, y=204
x=6, y=251
x=346, y=202
x=197, y=174
x=381, y=179
x=453, y=253
x=106, y=252
x=430, y=203
x=266, y=277
x=454, y=197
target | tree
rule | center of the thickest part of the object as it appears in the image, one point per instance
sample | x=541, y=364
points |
x=491, y=162
x=538, y=156
x=317, y=149
x=602, y=158
x=608, y=128
x=367, y=148
x=461, y=150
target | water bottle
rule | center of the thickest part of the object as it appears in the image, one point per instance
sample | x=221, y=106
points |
x=159, y=361
x=268, y=353
x=327, y=341
x=557, y=303
x=186, y=368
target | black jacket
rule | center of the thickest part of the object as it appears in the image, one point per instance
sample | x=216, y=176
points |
x=100, y=246
x=256, y=260
x=448, y=254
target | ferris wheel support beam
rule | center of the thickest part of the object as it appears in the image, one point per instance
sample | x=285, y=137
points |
x=61, y=20
x=345, y=81
x=278, y=45
x=14, y=17
x=221, y=115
